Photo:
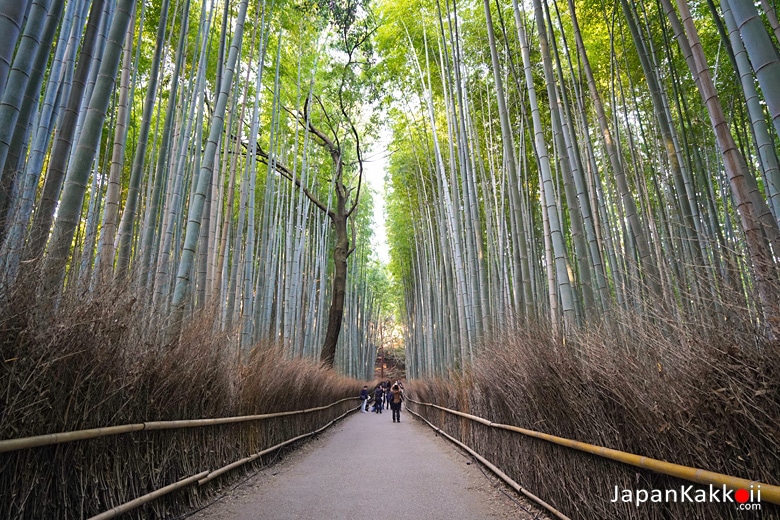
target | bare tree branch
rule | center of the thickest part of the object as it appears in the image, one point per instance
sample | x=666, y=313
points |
x=285, y=172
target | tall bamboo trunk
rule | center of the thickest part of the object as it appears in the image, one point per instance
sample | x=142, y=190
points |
x=195, y=215
x=113, y=194
x=13, y=15
x=762, y=52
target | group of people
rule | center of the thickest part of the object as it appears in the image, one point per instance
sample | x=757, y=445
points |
x=386, y=395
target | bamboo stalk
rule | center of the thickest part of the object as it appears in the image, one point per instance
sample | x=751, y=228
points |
x=113, y=513
x=769, y=493
x=78, y=435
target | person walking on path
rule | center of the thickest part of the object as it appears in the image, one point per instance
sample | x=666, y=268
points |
x=364, y=398
x=395, y=403
x=388, y=394
x=378, y=393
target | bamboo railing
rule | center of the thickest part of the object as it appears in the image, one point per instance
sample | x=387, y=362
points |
x=769, y=493
x=92, y=433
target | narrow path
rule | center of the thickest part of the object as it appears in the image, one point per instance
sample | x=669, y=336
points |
x=369, y=467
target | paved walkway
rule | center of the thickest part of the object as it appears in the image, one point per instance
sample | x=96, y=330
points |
x=364, y=467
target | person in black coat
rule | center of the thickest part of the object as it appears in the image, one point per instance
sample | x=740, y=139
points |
x=395, y=402
x=378, y=394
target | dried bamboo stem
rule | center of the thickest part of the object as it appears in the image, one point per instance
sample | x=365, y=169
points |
x=118, y=510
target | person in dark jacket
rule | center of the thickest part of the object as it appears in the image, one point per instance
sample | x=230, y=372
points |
x=388, y=394
x=364, y=397
x=395, y=402
x=378, y=394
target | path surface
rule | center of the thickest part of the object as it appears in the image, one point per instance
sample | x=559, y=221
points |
x=364, y=467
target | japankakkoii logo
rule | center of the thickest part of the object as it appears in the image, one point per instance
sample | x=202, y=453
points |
x=745, y=499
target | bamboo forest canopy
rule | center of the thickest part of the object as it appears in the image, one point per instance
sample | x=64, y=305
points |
x=549, y=161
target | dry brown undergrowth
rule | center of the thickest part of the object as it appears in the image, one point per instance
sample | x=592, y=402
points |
x=103, y=361
x=692, y=393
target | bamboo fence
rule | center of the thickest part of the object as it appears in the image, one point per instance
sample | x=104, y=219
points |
x=769, y=493
x=200, y=478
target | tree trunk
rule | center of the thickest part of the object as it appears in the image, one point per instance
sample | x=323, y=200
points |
x=764, y=143
x=340, y=254
x=638, y=232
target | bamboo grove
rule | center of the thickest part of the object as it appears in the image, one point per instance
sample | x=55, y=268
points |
x=555, y=160
x=205, y=154
x=552, y=161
